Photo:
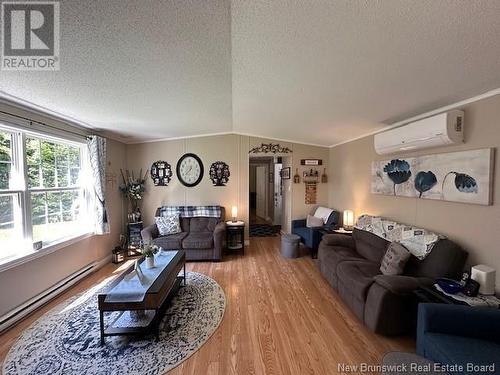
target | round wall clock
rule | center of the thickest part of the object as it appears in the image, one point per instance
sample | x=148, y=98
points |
x=161, y=173
x=189, y=170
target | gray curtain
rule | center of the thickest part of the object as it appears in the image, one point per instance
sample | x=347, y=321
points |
x=97, y=155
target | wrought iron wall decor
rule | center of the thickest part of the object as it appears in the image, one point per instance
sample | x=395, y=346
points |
x=219, y=173
x=266, y=148
x=161, y=173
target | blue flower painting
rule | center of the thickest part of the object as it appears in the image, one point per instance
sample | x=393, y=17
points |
x=424, y=181
x=463, y=176
x=398, y=171
x=463, y=182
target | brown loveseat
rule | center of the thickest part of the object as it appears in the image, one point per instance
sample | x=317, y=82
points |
x=385, y=304
x=201, y=237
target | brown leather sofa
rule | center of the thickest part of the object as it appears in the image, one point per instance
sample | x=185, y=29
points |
x=201, y=237
x=386, y=304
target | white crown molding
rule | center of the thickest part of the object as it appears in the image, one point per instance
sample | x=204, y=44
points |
x=281, y=139
x=39, y=110
x=133, y=142
x=449, y=107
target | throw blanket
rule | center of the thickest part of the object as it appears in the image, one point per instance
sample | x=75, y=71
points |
x=191, y=211
x=419, y=242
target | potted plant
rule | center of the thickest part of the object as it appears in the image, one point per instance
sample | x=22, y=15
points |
x=149, y=251
x=133, y=189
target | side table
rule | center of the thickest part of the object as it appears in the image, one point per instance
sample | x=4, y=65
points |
x=134, y=238
x=235, y=235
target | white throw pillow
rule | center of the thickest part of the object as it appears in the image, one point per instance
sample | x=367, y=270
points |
x=168, y=224
x=323, y=213
x=312, y=222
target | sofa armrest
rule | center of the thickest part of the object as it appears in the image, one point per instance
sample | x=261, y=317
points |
x=219, y=231
x=339, y=240
x=400, y=284
x=474, y=322
x=300, y=223
x=149, y=233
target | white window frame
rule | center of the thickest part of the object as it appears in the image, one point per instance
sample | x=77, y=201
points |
x=19, y=175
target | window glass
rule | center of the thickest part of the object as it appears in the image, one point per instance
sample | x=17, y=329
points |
x=5, y=159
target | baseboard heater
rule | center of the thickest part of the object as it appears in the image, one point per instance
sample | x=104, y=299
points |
x=20, y=312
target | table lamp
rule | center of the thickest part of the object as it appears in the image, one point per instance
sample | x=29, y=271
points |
x=348, y=221
x=234, y=213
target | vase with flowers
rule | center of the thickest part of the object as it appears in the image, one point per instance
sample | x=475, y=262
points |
x=149, y=251
x=133, y=189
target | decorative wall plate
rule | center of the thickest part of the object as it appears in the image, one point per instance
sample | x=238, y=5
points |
x=161, y=173
x=219, y=173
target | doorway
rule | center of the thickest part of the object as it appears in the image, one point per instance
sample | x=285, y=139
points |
x=265, y=196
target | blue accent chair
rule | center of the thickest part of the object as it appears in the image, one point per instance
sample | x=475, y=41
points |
x=457, y=335
x=311, y=237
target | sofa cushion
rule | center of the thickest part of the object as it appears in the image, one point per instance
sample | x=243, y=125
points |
x=338, y=240
x=203, y=224
x=198, y=240
x=357, y=276
x=330, y=256
x=458, y=350
x=369, y=245
x=394, y=260
x=313, y=222
x=168, y=224
x=171, y=242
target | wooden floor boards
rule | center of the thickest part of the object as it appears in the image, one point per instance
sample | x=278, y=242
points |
x=281, y=317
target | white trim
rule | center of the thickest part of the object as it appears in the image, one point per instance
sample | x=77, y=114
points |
x=39, y=110
x=135, y=142
x=18, y=259
x=449, y=107
x=281, y=139
x=20, y=312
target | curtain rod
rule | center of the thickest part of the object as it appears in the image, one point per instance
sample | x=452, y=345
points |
x=44, y=124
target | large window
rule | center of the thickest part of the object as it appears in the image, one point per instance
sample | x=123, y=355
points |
x=42, y=200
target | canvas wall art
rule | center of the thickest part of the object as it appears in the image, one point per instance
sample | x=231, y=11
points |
x=464, y=176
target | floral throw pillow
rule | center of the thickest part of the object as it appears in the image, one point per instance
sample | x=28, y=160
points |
x=168, y=224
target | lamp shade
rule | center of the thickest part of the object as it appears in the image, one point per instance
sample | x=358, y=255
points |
x=234, y=212
x=348, y=219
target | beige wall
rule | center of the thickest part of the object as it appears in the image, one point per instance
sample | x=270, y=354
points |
x=232, y=149
x=475, y=227
x=23, y=282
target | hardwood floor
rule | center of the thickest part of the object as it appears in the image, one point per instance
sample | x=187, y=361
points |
x=281, y=317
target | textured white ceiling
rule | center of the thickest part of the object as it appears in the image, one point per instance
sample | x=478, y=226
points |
x=325, y=71
x=146, y=69
x=319, y=71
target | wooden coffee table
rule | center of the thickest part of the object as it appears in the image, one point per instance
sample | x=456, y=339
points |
x=149, y=301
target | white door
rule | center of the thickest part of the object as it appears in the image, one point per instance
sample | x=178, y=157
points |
x=261, y=188
x=277, y=193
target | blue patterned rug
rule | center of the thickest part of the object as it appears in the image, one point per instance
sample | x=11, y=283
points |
x=66, y=339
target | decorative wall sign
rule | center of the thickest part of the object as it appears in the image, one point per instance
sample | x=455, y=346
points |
x=296, y=177
x=219, y=173
x=285, y=173
x=161, y=173
x=189, y=170
x=311, y=176
x=311, y=162
x=464, y=176
x=266, y=148
x=311, y=189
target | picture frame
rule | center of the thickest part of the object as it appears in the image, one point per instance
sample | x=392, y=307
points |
x=285, y=173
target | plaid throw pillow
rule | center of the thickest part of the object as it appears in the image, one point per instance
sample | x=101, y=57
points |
x=168, y=224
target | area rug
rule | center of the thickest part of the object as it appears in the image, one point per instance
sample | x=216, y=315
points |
x=264, y=230
x=66, y=340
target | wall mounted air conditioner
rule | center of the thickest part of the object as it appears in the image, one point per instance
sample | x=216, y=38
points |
x=440, y=130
